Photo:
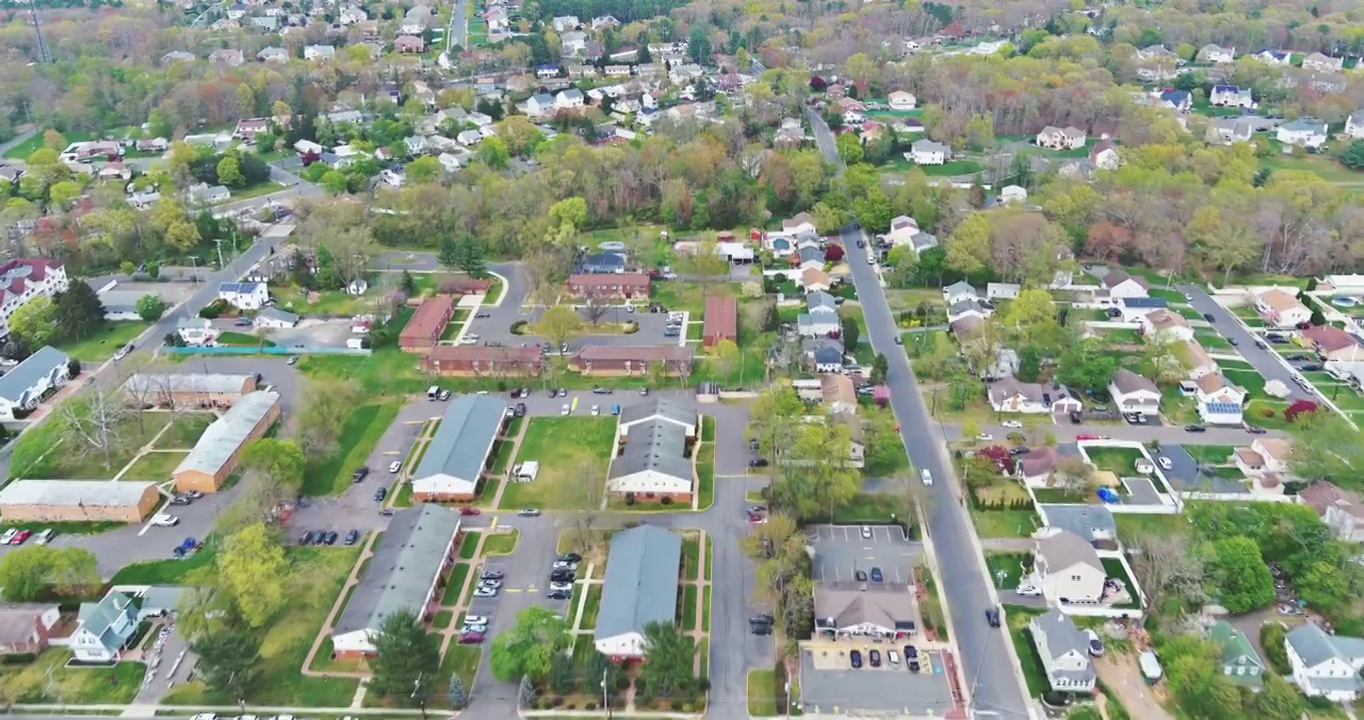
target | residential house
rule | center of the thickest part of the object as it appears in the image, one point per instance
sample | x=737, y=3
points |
x=1067, y=138
x=565, y=23
x=902, y=231
x=1166, y=326
x=570, y=99
x=1155, y=52
x=900, y=100
x=408, y=44
x=1005, y=365
x=1013, y=195
x=1239, y=661
x=215, y=455
x=1281, y=309
x=1035, y=468
x=1228, y=130
x=26, y=384
x=24, y=280
x=826, y=358
x=244, y=295
x=1264, y=457
x=604, y=21
x=248, y=128
x=1322, y=63
x=809, y=258
x=1064, y=651
x=271, y=317
x=1133, y=393
x=812, y=279
x=621, y=286
x=927, y=152
x=640, y=588
x=1178, y=100
x=176, y=56
x=26, y=627
x=1136, y=308
x=1002, y=291
x=196, y=331
x=540, y=105
x=1119, y=284
x=1325, y=665
x=319, y=52
x=1304, y=132
x=1219, y=402
x=1092, y=523
x=1011, y=395
x=837, y=393
x=415, y=21
x=573, y=43
x=592, y=360
x=858, y=610
x=969, y=308
x=1069, y=570
x=226, y=57
x=721, y=321
x=959, y=292
x=1199, y=362
x=798, y=224
x=1211, y=53
x=1342, y=510
x=273, y=54
x=1231, y=96
x=1354, y=124
x=204, y=194
x=820, y=317
x=1274, y=57
x=104, y=628
x=1332, y=344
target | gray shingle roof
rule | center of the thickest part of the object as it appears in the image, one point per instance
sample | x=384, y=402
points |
x=1061, y=637
x=655, y=445
x=670, y=410
x=277, y=314
x=820, y=300
x=1089, y=522
x=641, y=581
x=69, y=493
x=99, y=619
x=15, y=383
x=460, y=447
x=1315, y=647
x=1066, y=549
x=224, y=435
x=403, y=568
x=183, y=383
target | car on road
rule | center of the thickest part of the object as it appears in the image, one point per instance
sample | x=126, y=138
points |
x=985, y=437
x=1254, y=430
x=1209, y=317
x=871, y=259
x=474, y=627
x=1194, y=427
x=360, y=473
x=444, y=395
x=1233, y=341
x=925, y=476
x=757, y=462
x=469, y=510
x=395, y=466
x=482, y=316
x=875, y=657
x=123, y=351
x=565, y=409
x=494, y=584
x=1087, y=436
x=601, y=391
x=1027, y=590
x=911, y=652
x=485, y=593
x=520, y=410
x=992, y=617
x=876, y=575
x=860, y=575
x=1012, y=424
x=761, y=629
x=855, y=657
x=596, y=410
x=471, y=638
x=352, y=537
x=19, y=536
x=293, y=360
x=491, y=575
x=563, y=392
x=164, y=520
x=1020, y=450
x=559, y=595
x=380, y=494
x=528, y=512
x=643, y=392
x=762, y=619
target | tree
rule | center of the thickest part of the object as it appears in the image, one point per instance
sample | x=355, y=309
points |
x=1278, y=699
x=333, y=181
x=94, y=422
x=182, y=235
x=35, y=322
x=1302, y=407
x=816, y=473
x=698, y=45
x=528, y=647
x=1166, y=566
x=968, y=247
x=230, y=172
x=724, y=355
x=327, y=402
x=280, y=460
x=1353, y=157
x=253, y=570
x=458, y=696
x=849, y=148
x=492, y=151
x=668, y=660
x=561, y=675
x=449, y=252
x=1242, y=575
x=31, y=573
x=72, y=571
x=1073, y=473
x=879, y=367
x=227, y=658
x=558, y=324
x=705, y=263
x=62, y=194
x=77, y=311
x=1031, y=313
x=1192, y=670
x=774, y=419
x=469, y=256
x=1325, y=587
x=405, y=659
x=150, y=307
x=851, y=334
x=425, y=169
x=1326, y=446
x=1085, y=365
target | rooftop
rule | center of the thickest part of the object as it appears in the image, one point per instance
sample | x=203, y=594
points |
x=225, y=435
x=15, y=383
x=74, y=493
x=403, y=569
x=461, y=444
x=641, y=581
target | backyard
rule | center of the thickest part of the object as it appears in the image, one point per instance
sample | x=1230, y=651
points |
x=184, y=431
x=45, y=453
x=48, y=680
x=155, y=466
x=334, y=302
x=570, y=450
x=1120, y=461
x=331, y=474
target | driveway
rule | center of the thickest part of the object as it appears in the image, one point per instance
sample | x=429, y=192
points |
x=1121, y=675
x=1267, y=362
x=1184, y=473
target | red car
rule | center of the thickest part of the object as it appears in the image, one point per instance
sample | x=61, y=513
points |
x=1088, y=436
x=21, y=536
x=470, y=638
x=469, y=510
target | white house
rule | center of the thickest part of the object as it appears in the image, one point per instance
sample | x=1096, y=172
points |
x=1200, y=363
x=1281, y=309
x=821, y=315
x=1067, y=138
x=319, y=52
x=1013, y=195
x=1121, y=285
x=1231, y=96
x=1274, y=57
x=1322, y=63
x=1211, y=53
x=196, y=331
x=1342, y=510
x=1161, y=324
x=1325, y=665
x=270, y=317
x=565, y=23
x=1354, y=124
x=1104, y=155
x=1068, y=569
x=927, y=152
x=1064, y=652
x=573, y=43
x=1219, y=402
x=244, y=295
x=968, y=308
x=959, y=292
x=901, y=101
x=1307, y=132
x=540, y=105
x=104, y=628
x=1133, y=393
x=23, y=280
x=569, y=99
x=25, y=384
x=469, y=138
x=1134, y=309
x=640, y=588
x=1265, y=456
x=1011, y=395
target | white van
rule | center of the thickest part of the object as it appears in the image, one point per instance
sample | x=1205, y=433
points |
x=926, y=476
x=432, y=392
x=164, y=520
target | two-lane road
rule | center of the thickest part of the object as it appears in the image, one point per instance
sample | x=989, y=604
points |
x=1266, y=362
x=991, y=678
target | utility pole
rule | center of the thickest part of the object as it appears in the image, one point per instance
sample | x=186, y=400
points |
x=44, y=56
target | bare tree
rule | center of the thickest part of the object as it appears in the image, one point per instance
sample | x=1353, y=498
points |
x=92, y=422
x=1166, y=565
x=586, y=495
x=1073, y=474
x=595, y=308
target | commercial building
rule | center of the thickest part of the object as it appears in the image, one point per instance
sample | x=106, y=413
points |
x=853, y=608
x=484, y=361
x=188, y=390
x=411, y=562
x=24, y=386
x=424, y=329
x=640, y=588
x=721, y=321
x=215, y=455
x=454, y=460
x=78, y=501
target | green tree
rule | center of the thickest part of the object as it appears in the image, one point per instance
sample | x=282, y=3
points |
x=849, y=148
x=492, y=151
x=253, y=570
x=1353, y=157
x=968, y=247
x=1326, y=587
x=182, y=235
x=280, y=460
x=227, y=659
x=562, y=673
x=1086, y=366
x=851, y=334
x=1242, y=575
x=150, y=307
x=230, y=172
x=469, y=256
x=557, y=324
x=449, y=252
x=423, y=170
x=63, y=193
x=77, y=311
x=668, y=660
x=406, y=657
x=407, y=283
x=35, y=322
x=1324, y=446
x=334, y=182
x=698, y=45
x=879, y=366
x=875, y=210
x=774, y=418
x=724, y=355
x=1192, y=670
x=1277, y=700
x=529, y=646
x=815, y=474
x=32, y=572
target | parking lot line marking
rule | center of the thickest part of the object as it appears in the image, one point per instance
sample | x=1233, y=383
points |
x=512, y=590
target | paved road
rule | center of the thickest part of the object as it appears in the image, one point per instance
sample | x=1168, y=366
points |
x=1266, y=362
x=1138, y=433
x=990, y=674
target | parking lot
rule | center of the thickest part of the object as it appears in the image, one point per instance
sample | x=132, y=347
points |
x=495, y=327
x=828, y=684
x=841, y=552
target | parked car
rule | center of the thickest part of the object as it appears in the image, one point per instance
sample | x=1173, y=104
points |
x=305, y=539
x=1253, y=430
x=352, y=537
x=875, y=657
x=491, y=575
x=483, y=592
x=911, y=652
x=757, y=462
x=528, y=512
x=761, y=629
x=293, y=360
x=45, y=536
x=444, y=395
x=992, y=617
x=860, y=575
x=331, y=538
x=159, y=520
x=1232, y=341
x=571, y=557
x=560, y=595
x=360, y=473
x=596, y=410
x=1013, y=424
x=565, y=409
x=395, y=466
x=876, y=575
x=494, y=584
x=565, y=586
x=520, y=410
x=380, y=494
x=1165, y=463
x=1096, y=647
x=855, y=657
x=1195, y=427
x=471, y=638
x=893, y=657
x=1209, y=317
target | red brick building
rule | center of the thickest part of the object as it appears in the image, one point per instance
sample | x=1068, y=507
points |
x=631, y=359
x=609, y=285
x=484, y=361
x=721, y=322
x=424, y=329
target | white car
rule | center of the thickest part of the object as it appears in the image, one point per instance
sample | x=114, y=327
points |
x=565, y=565
x=564, y=410
x=8, y=537
x=475, y=627
x=395, y=466
x=159, y=520
x=466, y=340
x=596, y=410
x=485, y=592
x=985, y=437
x=475, y=620
x=1012, y=424
x=1028, y=590
x=1165, y=463
x=44, y=537
x=490, y=584
x=556, y=586
x=471, y=336
x=866, y=532
x=871, y=259
x=926, y=476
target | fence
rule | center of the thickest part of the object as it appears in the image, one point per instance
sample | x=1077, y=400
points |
x=254, y=350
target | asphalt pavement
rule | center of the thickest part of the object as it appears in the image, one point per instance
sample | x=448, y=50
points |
x=991, y=677
x=1265, y=361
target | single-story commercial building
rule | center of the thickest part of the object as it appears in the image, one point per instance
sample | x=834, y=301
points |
x=653, y=464
x=484, y=361
x=721, y=321
x=410, y=564
x=455, y=458
x=188, y=390
x=22, y=387
x=78, y=501
x=215, y=455
x=631, y=359
x=858, y=609
x=424, y=329
x=640, y=588
x=271, y=317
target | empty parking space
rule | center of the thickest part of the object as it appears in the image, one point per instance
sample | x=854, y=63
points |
x=841, y=552
x=830, y=685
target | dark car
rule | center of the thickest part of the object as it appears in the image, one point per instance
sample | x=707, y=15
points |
x=307, y=538
x=320, y=537
x=491, y=575
x=992, y=617
x=560, y=595
x=571, y=557
x=1208, y=317
x=1253, y=430
x=761, y=629
x=757, y=462
x=1233, y=341
x=554, y=393
x=1019, y=451
x=360, y=473
x=1195, y=427
x=601, y=391
x=911, y=652
x=380, y=494
x=567, y=577
x=875, y=657
x=352, y=537
x=913, y=666
x=855, y=658
x=762, y=619
x=899, y=340
x=876, y=575
x=331, y=538
x=520, y=409
x=860, y=575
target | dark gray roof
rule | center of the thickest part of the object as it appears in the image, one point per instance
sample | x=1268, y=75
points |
x=1128, y=382
x=820, y=300
x=670, y=410
x=1065, y=550
x=466, y=434
x=1315, y=647
x=277, y=314
x=403, y=568
x=34, y=368
x=1090, y=522
x=641, y=581
x=1061, y=636
x=655, y=445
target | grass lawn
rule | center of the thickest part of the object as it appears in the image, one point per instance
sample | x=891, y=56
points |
x=1252, y=381
x=501, y=543
x=1119, y=460
x=1122, y=336
x=46, y=680
x=1210, y=454
x=184, y=431
x=331, y=474
x=570, y=450
x=1005, y=523
x=1256, y=414
x=68, y=459
x=688, y=608
x=335, y=302
x=591, y=606
x=244, y=340
x=468, y=546
x=1010, y=565
x=865, y=508
x=762, y=693
x=461, y=660
x=198, y=567
x=705, y=609
x=456, y=585
x=1174, y=297
x=320, y=573
x=705, y=475
x=1021, y=637
x=1061, y=495
x=155, y=466
x=691, y=555
x=899, y=163
x=103, y=342
x=1211, y=339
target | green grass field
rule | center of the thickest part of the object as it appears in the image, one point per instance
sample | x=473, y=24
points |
x=572, y=449
x=331, y=474
x=104, y=342
x=155, y=466
x=184, y=431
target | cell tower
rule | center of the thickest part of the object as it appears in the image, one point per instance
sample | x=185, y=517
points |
x=43, y=55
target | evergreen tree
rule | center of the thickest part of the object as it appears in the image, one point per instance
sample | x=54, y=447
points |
x=406, y=659
x=449, y=253
x=469, y=257
x=78, y=311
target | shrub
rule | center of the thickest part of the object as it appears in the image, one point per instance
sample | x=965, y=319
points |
x=666, y=500
x=1272, y=640
x=1297, y=408
x=676, y=705
x=519, y=327
x=1266, y=412
x=631, y=328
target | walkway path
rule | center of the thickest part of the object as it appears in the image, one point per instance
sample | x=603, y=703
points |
x=451, y=631
x=351, y=581
x=702, y=584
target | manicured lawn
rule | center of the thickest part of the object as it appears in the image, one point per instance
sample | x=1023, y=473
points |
x=68, y=458
x=762, y=693
x=1121, y=336
x=47, y=680
x=1010, y=565
x=155, y=466
x=705, y=609
x=691, y=556
x=865, y=508
x=1005, y=523
x=336, y=302
x=458, y=574
x=898, y=163
x=244, y=340
x=331, y=474
x=104, y=341
x=468, y=545
x=501, y=543
x=1119, y=460
x=1210, y=454
x=184, y=431
x=688, y=608
x=1252, y=381
x=1021, y=637
x=1171, y=296
x=1211, y=340
x=591, y=607
x=705, y=475
x=1255, y=414
x=461, y=660
x=570, y=450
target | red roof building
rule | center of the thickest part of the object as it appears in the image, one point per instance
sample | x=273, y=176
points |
x=721, y=322
x=423, y=331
